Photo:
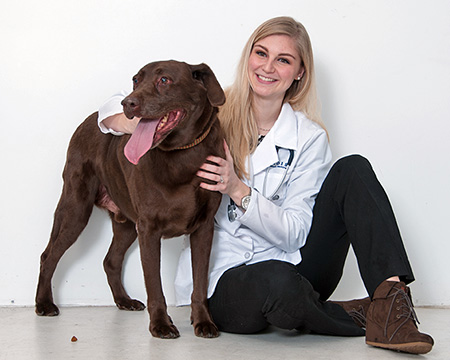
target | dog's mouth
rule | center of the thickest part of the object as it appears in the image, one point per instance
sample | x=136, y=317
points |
x=149, y=133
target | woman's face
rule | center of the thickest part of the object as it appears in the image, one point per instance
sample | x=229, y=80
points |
x=272, y=66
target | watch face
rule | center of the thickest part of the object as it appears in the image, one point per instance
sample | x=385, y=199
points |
x=245, y=202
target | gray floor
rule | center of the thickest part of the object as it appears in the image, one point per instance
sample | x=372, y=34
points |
x=108, y=333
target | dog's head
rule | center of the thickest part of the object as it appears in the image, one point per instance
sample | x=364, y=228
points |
x=175, y=102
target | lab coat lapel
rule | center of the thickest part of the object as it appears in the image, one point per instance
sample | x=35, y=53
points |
x=264, y=155
x=283, y=134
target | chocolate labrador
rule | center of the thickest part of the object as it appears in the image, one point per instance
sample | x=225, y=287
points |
x=148, y=183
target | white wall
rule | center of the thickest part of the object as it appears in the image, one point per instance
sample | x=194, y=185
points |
x=383, y=70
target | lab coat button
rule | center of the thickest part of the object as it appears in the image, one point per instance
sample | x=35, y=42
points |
x=247, y=255
x=276, y=197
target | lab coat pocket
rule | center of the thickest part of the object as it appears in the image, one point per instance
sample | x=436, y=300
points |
x=274, y=187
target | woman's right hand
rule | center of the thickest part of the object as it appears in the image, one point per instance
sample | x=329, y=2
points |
x=221, y=171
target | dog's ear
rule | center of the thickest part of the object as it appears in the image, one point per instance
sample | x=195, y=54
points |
x=202, y=72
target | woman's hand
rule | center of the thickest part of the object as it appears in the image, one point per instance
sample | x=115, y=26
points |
x=119, y=122
x=222, y=172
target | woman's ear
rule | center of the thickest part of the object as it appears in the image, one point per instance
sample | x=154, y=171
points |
x=299, y=77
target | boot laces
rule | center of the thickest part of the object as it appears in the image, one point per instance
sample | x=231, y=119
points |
x=405, y=304
x=358, y=315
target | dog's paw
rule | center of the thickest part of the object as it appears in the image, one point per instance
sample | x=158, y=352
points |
x=164, y=331
x=130, y=305
x=206, y=330
x=46, y=309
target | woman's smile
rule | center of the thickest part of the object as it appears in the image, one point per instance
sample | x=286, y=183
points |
x=265, y=79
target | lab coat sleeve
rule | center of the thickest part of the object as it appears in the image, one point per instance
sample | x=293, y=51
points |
x=112, y=106
x=286, y=225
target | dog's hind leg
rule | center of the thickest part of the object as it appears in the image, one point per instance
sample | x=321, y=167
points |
x=124, y=235
x=71, y=217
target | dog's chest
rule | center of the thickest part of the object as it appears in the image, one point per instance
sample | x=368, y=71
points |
x=172, y=211
x=163, y=191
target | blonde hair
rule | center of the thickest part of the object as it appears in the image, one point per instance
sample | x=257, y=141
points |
x=236, y=115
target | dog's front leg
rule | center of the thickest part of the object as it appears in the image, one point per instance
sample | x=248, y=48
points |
x=201, y=241
x=161, y=324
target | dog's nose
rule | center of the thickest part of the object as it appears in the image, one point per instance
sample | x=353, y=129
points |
x=131, y=106
x=130, y=102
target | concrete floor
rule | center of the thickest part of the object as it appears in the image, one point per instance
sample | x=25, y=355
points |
x=108, y=333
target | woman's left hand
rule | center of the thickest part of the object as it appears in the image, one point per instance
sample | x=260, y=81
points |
x=222, y=172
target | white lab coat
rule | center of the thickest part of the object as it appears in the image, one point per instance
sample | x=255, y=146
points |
x=275, y=226
x=110, y=107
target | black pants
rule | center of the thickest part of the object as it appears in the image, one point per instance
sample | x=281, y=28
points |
x=351, y=208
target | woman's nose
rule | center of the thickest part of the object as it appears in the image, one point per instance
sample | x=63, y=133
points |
x=268, y=67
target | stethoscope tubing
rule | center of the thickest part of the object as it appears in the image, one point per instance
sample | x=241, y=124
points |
x=288, y=164
x=273, y=196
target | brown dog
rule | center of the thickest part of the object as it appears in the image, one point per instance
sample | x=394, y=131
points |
x=151, y=177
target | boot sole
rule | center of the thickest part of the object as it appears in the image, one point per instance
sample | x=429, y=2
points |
x=412, y=348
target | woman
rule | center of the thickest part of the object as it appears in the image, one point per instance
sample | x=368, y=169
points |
x=286, y=219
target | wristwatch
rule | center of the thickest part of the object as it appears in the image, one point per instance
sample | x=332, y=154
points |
x=245, y=202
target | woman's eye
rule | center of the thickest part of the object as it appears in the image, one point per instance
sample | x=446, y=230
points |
x=260, y=53
x=285, y=61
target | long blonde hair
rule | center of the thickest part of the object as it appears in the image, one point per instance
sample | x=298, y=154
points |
x=236, y=115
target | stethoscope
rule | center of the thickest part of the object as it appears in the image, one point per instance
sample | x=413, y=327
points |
x=274, y=196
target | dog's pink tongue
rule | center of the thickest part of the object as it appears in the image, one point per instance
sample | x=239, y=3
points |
x=141, y=140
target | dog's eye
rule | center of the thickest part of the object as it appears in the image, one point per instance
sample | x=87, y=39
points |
x=135, y=82
x=164, y=80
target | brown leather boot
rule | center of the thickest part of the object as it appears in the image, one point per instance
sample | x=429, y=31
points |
x=391, y=321
x=357, y=309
